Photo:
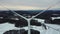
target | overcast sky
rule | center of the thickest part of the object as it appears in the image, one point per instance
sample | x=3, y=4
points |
x=28, y=4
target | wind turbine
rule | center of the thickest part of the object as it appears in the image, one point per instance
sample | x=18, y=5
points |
x=29, y=19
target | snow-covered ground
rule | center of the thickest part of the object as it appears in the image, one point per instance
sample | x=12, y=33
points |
x=7, y=26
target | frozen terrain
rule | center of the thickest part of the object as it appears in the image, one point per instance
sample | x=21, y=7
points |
x=7, y=26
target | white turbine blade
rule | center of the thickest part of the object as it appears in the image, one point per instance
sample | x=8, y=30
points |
x=13, y=12
x=20, y=15
x=45, y=10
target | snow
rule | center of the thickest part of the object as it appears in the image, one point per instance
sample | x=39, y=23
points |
x=7, y=26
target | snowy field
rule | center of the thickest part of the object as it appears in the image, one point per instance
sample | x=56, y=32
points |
x=7, y=26
x=51, y=28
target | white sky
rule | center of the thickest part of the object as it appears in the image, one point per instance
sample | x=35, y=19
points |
x=28, y=4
